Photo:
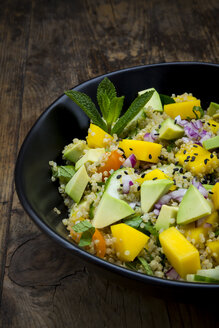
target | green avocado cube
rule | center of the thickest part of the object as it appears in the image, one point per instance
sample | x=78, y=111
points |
x=211, y=143
x=151, y=191
x=193, y=206
x=166, y=214
x=170, y=131
x=76, y=186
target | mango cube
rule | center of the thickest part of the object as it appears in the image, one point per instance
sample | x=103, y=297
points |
x=215, y=196
x=184, y=109
x=155, y=174
x=181, y=254
x=196, y=233
x=129, y=241
x=196, y=159
x=143, y=150
x=214, y=247
x=214, y=126
x=213, y=218
x=97, y=138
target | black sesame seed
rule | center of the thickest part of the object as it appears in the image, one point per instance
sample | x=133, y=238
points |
x=138, y=188
x=154, y=178
x=159, y=126
x=176, y=163
x=119, y=176
x=208, y=123
x=130, y=148
x=184, y=152
x=214, y=125
x=150, y=156
x=195, y=146
x=156, y=134
x=175, y=169
x=188, y=157
x=196, y=154
x=174, y=181
x=206, y=160
x=193, y=159
x=212, y=155
x=184, y=177
x=181, y=170
x=186, y=160
x=121, y=149
x=160, y=157
x=210, y=192
x=125, y=172
x=143, y=175
x=121, y=185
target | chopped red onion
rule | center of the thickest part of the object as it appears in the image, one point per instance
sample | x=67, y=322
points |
x=199, y=222
x=207, y=225
x=200, y=188
x=172, y=274
x=126, y=184
x=193, y=130
x=130, y=161
x=151, y=137
x=156, y=212
x=176, y=195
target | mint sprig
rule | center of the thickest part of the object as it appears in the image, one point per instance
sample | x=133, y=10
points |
x=132, y=111
x=87, y=105
x=87, y=230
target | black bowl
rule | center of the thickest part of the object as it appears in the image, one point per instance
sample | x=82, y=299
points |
x=63, y=121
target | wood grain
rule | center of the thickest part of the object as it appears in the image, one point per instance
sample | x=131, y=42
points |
x=45, y=48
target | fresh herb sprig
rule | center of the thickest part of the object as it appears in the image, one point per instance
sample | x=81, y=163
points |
x=110, y=107
x=198, y=109
x=87, y=231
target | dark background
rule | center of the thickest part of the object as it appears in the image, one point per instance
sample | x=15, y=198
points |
x=47, y=47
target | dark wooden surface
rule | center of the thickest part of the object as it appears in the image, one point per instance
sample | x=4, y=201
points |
x=45, y=48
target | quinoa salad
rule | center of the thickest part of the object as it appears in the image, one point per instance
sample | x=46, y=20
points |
x=142, y=189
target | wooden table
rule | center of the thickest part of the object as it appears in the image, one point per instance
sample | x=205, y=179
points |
x=47, y=47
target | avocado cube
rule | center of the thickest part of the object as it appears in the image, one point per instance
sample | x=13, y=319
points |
x=170, y=131
x=211, y=143
x=193, y=206
x=151, y=191
x=76, y=186
x=166, y=214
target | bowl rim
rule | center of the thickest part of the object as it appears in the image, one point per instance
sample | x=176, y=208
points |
x=122, y=271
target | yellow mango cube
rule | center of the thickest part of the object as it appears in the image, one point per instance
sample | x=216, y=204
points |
x=184, y=109
x=213, y=218
x=97, y=138
x=129, y=241
x=196, y=233
x=181, y=254
x=214, y=126
x=155, y=174
x=143, y=150
x=215, y=196
x=196, y=159
x=214, y=248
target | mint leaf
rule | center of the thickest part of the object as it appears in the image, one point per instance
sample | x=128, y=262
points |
x=64, y=173
x=105, y=94
x=165, y=100
x=146, y=266
x=104, y=103
x=134, y=222
x=115, y=108
x=107, y=87
x=87, y=230
x=87, y=105
x=82, y=226
x=197, y=109
x=132, y=111
x=86, y=237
